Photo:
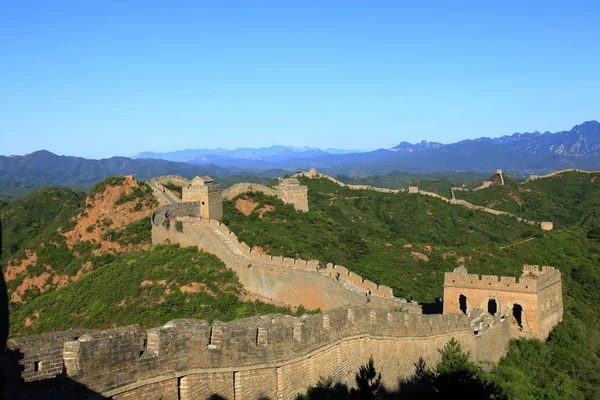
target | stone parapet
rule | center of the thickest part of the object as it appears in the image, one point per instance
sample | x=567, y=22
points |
x=192, y=356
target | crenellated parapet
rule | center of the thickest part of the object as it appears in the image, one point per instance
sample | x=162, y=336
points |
x=535, y=298
x=288, y=190
x=283, y=279
x=192, y=355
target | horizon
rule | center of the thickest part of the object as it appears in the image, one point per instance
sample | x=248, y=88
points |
x=122, y=78
x=283, y=145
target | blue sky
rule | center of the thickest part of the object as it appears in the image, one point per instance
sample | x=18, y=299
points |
x=103, y=78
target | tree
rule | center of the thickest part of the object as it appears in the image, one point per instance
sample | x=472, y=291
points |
x=368, y=382
x=456, y=376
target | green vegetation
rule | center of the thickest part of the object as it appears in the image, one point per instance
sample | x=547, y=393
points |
x=432, y=182
x=174, y=188
x=404, y=241
x=142, y=192
x=25, y=221
x=353, y=228
x=100, y=187
x=567, y=199
x=137, y=233
x=372, y=233
x=142, y=287
x=179, y=226
x=454, y=377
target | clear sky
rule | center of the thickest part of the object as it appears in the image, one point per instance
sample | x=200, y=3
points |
x=107, y=77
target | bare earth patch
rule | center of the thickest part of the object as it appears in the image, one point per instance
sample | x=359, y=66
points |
x=245, y=206
x=29, y=321
x=13, y=270
x=263, y=210
x=103, y=214
x=451, y=253
x=197, y=287
x=515, y=198
x=492, y=203
x=419, y=256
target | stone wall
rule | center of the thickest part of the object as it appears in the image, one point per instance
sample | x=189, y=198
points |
x=314, y=174
x=538, y=292
x=294, y=195
x=292, y=281
x=276, y=356
x=562, y=171
x=240, y=188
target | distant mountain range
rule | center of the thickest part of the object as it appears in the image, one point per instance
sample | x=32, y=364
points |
x=50, y=169
x=272, y=154
x=521, y=152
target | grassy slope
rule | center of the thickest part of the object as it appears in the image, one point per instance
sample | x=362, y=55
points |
x=566, y=366
x=370, y=233
x=141, y=287
x=562, y=199
x=105, y=295
x=25, y=221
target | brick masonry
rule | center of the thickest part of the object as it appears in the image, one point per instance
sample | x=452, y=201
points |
x=538, y=292
x=275, y=356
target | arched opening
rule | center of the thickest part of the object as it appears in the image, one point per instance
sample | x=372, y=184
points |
x=462, y=303
x=517, y=313
x=492, y=306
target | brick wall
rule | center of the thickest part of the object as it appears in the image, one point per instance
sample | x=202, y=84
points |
x=538, y=292
x=275, y=356
x=295, y=282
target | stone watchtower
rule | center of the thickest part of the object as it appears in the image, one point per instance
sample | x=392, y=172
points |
x=292, y=192
x=534, y=301
x=208, y=194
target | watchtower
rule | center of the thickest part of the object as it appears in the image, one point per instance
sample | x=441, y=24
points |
x=292, y=192
x=208, y=194
x=534, y=301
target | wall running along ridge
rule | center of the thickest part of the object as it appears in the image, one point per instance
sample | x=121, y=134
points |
x=415, y=190
x=562, y=171
x=292, y=281
x=274, y=356
x=294, y=195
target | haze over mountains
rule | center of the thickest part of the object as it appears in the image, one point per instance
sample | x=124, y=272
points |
x=520, y=153
x=270, y=154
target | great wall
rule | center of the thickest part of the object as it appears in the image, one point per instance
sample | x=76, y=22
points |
x=278, y=356
x=544, y=225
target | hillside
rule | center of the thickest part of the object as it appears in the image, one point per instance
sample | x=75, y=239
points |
x=571, y=198
x=74, y=261
x=533, y=152
x=432, y=182
x=404, y=240
x=408, y=241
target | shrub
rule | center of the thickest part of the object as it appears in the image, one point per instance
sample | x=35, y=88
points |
x=179, y=226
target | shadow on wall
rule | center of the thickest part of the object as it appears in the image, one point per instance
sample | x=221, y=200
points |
x=432, y=308
x=12, y=384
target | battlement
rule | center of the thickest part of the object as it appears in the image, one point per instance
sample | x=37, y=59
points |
x=288, y=190
x=336, y=273
x=536, y=297
x=532, y=280
x=125, y=359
